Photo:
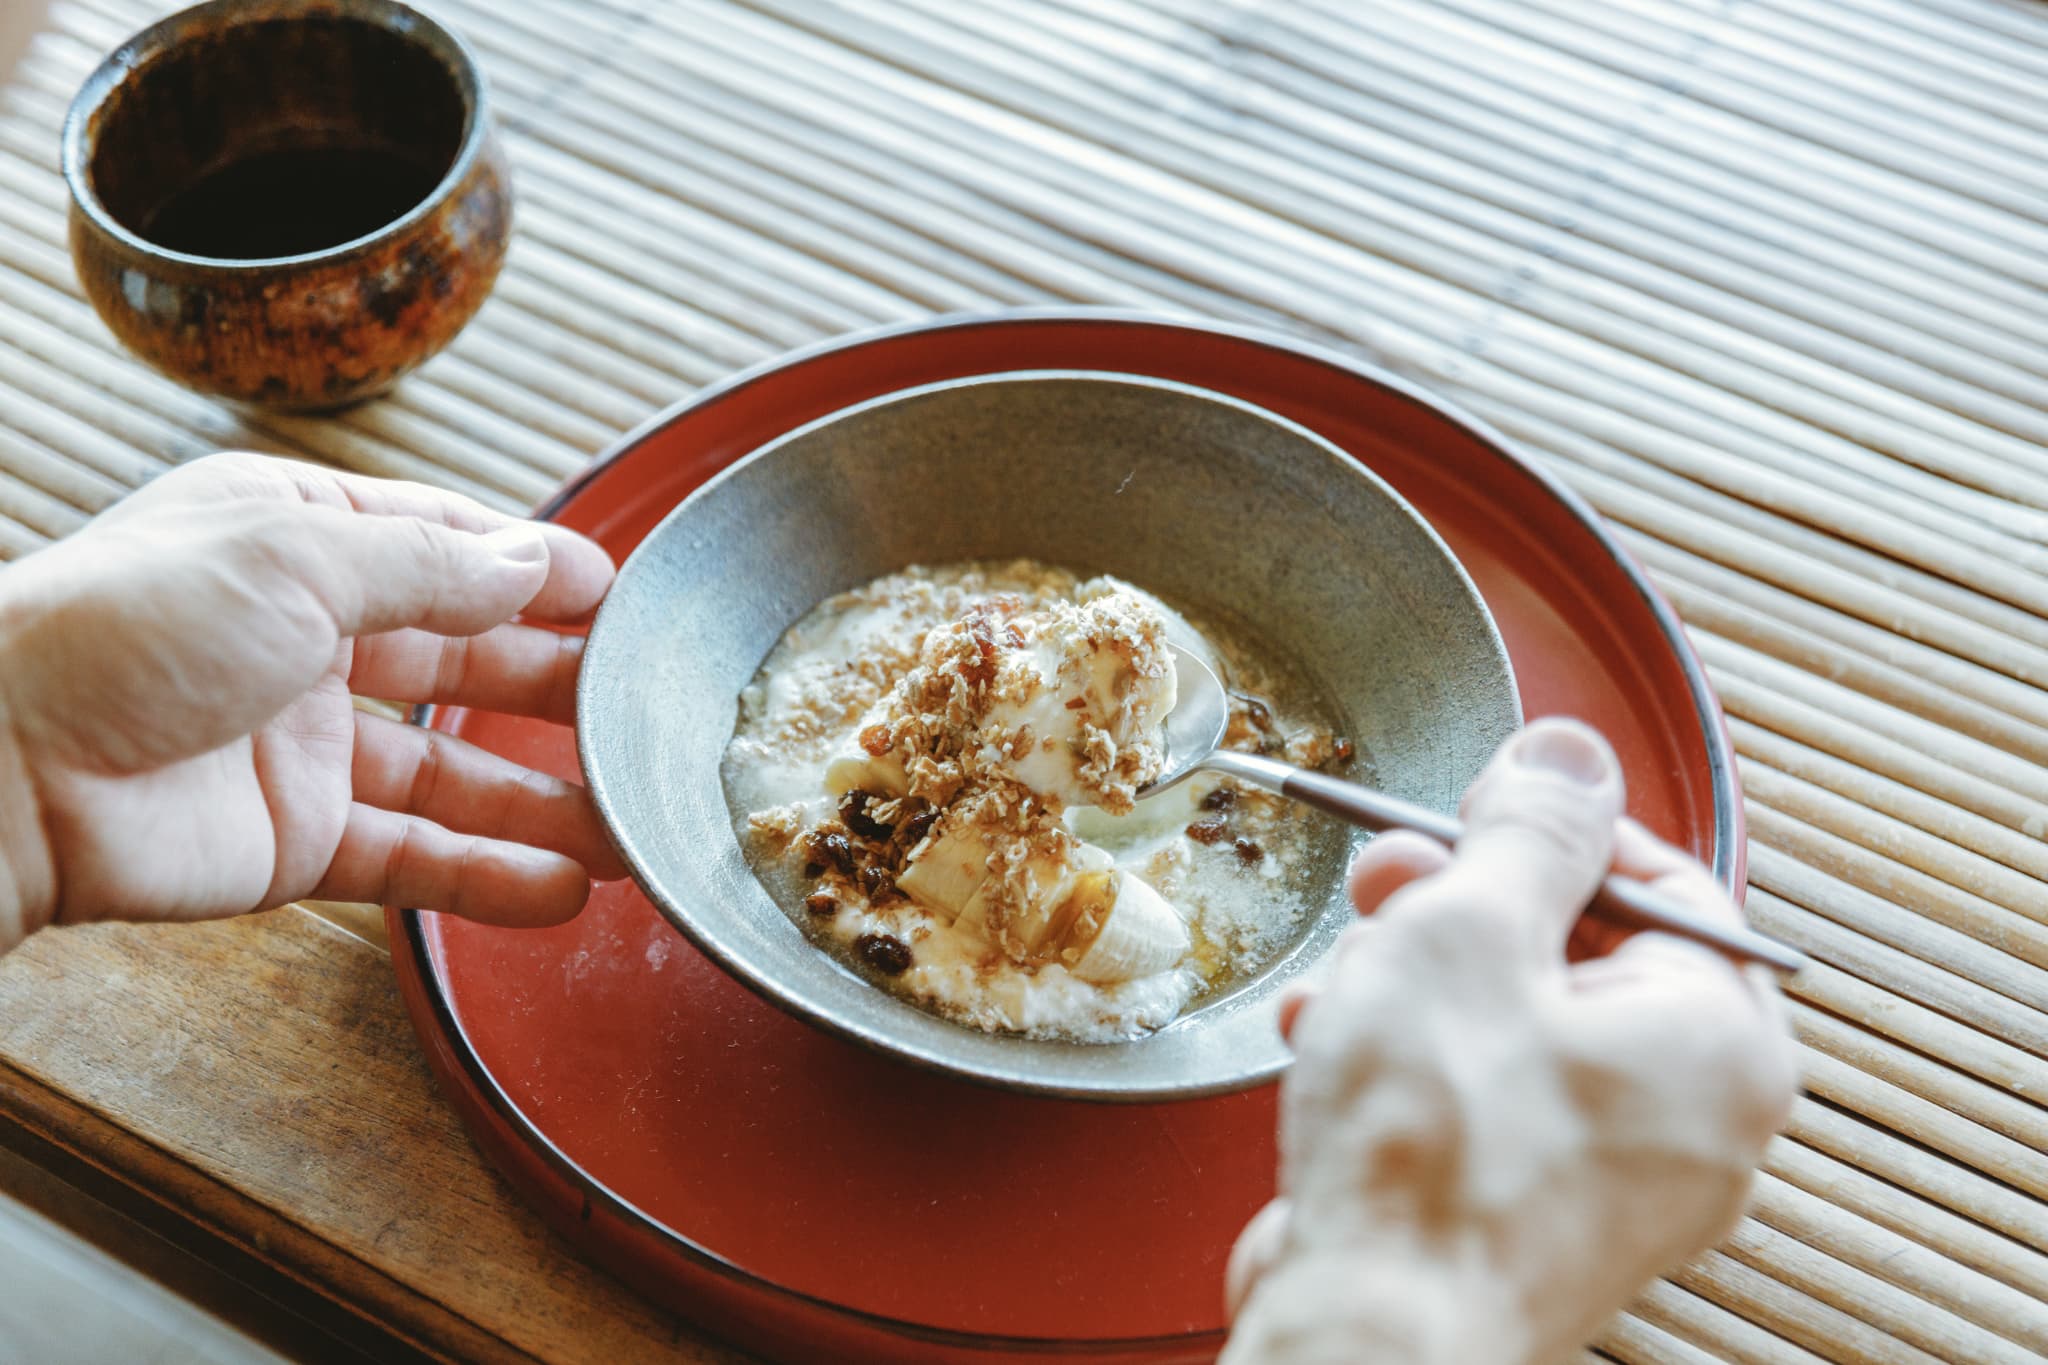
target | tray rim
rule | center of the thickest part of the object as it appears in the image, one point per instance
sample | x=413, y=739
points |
x=1729, y=847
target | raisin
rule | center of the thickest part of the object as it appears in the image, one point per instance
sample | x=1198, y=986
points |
x=853, y=813
x=919, y=825
x=1222, y=798
x=1248, y=853
x=876, y=881
x=822, y=905
x=831, y=848
x=1208, y=831
x=1343, y=750
x=813, y=871
x=875, y=740
x=1076, y=703
x=1255, y=710
x=884, y=953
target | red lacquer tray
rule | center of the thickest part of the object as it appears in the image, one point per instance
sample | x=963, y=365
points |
x=818, y=1203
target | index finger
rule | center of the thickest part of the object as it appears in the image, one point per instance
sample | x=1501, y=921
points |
x=1644, y=953
x=579, y=570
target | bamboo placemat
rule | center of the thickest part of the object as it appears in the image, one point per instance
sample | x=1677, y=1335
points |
x=1766, y=280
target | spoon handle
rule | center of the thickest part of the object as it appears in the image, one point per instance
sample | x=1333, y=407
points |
x=1630, y=902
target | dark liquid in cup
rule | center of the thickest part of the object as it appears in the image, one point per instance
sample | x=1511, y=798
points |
x=291, y=201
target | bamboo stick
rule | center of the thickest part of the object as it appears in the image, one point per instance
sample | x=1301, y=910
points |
x=34, y=516
x=1925, y=1030
x=1949, y=1183
x=1936, y=986
x=1901, y=1262
x=1928, y=940
x=1789, y=761
x=1691, y=1318
x=1863, y=1295
x=1795, y=1314
x=1923, y=1220
x=1354, y=136
x=17, y=540
x=1862, y=719
x=608, y=405
x=1789, y=557
x=1903, y=1112
x=535, y=409
x=1990, y=923
x=2022, y=1120
x=1640, y=1343
x=1913, y=677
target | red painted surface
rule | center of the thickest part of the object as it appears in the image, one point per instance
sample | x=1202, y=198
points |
x=846, y=1178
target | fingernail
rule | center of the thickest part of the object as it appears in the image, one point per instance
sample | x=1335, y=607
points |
x=520, y=543
x=1566, y=751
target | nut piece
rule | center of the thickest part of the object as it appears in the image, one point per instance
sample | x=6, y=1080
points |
x=822, y=904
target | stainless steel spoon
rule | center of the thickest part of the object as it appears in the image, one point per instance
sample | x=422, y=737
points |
x=1194, y=736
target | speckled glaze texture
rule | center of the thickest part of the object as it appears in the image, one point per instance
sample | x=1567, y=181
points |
x=305, y=332
x=1223, y=509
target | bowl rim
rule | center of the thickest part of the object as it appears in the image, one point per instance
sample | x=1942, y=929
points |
x=876, y=1034
x=418, y=963
x=136, y=51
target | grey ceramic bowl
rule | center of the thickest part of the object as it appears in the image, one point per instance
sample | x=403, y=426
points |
x=1223, y=509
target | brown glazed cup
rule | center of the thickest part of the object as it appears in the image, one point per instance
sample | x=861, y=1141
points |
x=268, y=87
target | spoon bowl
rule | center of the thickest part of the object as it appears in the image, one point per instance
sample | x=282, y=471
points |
x=1194, y=742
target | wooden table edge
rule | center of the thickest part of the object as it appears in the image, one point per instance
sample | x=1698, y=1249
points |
x=343, y=1297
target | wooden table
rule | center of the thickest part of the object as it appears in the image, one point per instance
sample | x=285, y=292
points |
x=1764, y=281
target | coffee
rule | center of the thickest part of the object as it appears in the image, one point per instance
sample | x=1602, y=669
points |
x=289, y=201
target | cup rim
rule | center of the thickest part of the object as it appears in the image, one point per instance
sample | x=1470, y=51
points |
x=135, y=52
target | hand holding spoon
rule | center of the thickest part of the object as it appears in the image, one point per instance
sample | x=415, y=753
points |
x=1194, y=736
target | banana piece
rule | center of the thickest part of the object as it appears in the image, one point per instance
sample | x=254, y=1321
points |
x=1102, y=924
x=1040, y=928
x=1121, y=929
x=851, y=767
x=945, y=875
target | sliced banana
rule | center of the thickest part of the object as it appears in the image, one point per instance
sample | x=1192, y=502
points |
x=1102, y=924
x=1122, y=929
x=950, y=867
x=852, y=768
x=1039, y=927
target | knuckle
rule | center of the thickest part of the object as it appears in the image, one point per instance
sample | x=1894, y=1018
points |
x=452, y=668
x=421, y=541
x=1555, y=828
x=1454, y=922
x=426, y=778
x=272, y=531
